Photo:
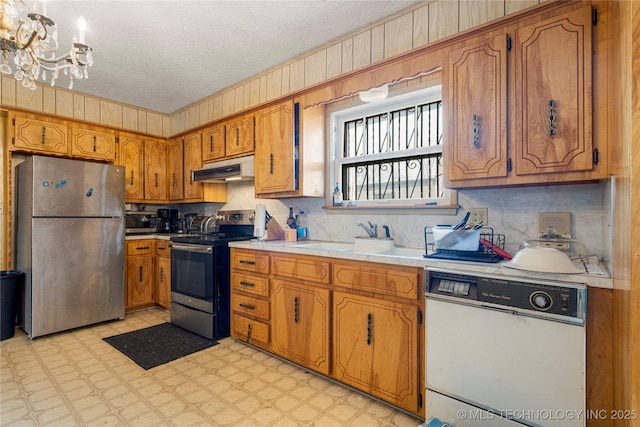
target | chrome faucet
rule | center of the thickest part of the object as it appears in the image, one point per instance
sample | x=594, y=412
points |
x=372, y=229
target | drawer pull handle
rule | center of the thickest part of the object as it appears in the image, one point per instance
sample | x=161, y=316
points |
x=211, y=143
x=247, y=306
x=156, y=175
x=94, y=143
x=131, y=177
x=271, y=163
x=142, y=248
x=248, y=284
x=161, y=274
x=245, y=262
x=140, y=274
x=43, y=132
x=369, y=328
x=237, y=137
x=296, y=310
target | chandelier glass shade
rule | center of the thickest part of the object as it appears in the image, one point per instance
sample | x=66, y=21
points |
x=32, y=39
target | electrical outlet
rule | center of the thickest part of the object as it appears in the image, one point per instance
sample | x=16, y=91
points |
x=477, y=215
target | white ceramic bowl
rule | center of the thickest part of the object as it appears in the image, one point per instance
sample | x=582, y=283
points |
x=544, y=260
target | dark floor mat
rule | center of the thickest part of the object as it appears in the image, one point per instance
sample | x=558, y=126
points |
x=157, y=345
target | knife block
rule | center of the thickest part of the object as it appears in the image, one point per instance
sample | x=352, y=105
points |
x=274, y=230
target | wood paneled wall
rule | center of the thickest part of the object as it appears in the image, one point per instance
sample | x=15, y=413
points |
x=73, y=105
x=397, y=34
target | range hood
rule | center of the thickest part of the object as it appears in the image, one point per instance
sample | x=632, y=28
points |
x=239, y=169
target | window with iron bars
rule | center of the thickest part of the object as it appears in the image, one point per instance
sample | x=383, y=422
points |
x=391, y=153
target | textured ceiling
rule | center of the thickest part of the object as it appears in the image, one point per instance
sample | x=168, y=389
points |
x=164, y=55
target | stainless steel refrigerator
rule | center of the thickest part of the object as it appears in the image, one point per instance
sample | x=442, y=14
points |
x=70, y=243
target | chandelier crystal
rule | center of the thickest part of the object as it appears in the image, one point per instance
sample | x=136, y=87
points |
x=32, y=38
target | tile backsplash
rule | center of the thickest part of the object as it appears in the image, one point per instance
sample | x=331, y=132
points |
x=512, y=212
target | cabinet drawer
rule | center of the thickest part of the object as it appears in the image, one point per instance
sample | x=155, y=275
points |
x=251, y=284
x=140, y=247
x=313, y=269
x=163, y=248
x=255, y=261
x=250, y=331
x=383, y=279
x=250, y=306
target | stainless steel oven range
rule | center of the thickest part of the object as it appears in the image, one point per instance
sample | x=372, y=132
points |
x=200, y=287
x=504, y=351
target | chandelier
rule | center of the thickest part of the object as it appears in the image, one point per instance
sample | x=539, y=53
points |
x=32, y=38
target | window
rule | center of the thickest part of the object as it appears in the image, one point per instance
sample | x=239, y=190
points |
x=390, y=153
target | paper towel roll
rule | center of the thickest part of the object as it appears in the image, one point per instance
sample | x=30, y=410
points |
x=260, y=222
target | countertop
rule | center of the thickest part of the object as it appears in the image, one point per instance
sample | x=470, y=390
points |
x=413, y=257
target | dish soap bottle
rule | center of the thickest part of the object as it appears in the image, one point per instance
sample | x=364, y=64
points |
x=303, y=228
x=337, y=195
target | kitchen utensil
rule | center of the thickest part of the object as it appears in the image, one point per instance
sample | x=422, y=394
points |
x=544, y=260
x=495, y=248
x=463, y=221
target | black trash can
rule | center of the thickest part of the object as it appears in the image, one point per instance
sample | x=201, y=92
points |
x=11, y=285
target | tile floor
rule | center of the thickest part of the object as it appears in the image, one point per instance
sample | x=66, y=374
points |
x=76, y=379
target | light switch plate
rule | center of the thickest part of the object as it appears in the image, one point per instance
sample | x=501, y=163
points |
x=554, y=225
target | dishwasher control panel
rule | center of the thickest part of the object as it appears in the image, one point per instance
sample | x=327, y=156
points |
x=564, y=299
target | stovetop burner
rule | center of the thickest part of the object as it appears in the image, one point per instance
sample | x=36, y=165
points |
x=229, y=225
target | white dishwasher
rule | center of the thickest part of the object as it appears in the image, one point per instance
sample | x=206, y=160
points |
x=503, y=351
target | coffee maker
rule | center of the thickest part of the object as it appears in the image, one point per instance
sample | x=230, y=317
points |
x=167, y=220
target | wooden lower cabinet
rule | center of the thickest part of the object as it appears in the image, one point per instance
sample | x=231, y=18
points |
x=357, y=322
x=163, y=274
x=140, y=274
x=375, y=347
x=300, y=324
x=250, y=312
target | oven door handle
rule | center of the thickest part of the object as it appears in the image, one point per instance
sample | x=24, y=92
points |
x=192, y=248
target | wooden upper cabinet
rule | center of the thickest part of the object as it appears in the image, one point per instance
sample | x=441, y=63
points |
x=89, y=142
x=274, y=164
x=38, y=135
x=132, y=158
x=213, y=143
x=476, y=91
x=239, y=137
x=176, y=170
x=192, y=160
x=553, y=111
x=155, y=159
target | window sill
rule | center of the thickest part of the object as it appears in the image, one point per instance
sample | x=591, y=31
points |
x=394, y=210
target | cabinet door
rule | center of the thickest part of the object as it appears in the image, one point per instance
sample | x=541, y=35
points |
x=384, y=336
x=213, y=143
x=93, y=144
x=192, y=161
x=139, y=281
x=239, y=137
x=163, y=282
x=132, y=158
x=39, y=136
x=300, y=324
x=476, y=89
x=274, y=163
x=155, y=159
x=553, y=111
x=176, y=170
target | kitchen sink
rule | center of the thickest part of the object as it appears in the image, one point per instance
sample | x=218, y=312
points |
x=361, y=248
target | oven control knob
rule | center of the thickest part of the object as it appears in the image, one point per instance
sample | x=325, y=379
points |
x=541, y=300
